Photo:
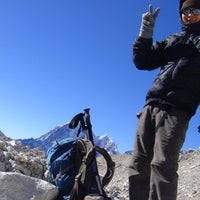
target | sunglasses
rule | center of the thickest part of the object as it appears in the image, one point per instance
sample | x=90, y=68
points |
x=194, y=11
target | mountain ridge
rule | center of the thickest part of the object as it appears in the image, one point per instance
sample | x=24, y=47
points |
x=60, y=132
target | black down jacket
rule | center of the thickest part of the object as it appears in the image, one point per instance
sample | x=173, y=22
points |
x=178, y=56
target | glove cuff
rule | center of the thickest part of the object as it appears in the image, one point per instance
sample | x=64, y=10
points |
x=146, y=32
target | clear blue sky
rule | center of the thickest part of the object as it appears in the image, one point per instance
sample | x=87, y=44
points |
x=58, y=57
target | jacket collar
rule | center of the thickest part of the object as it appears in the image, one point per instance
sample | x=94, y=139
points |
x=192, y=28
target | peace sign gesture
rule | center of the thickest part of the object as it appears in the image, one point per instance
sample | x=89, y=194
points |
x=148, y=22
x=152, y=15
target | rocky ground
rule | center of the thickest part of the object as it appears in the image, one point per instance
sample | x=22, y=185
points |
x=17, y=158
x=189, y=177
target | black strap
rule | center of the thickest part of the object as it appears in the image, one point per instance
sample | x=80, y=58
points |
x=68, y=168
x=75, y=121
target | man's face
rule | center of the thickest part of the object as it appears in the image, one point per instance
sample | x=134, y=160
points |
x=190, y=15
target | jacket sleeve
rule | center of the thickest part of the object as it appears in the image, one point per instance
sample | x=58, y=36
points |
x=146, y=55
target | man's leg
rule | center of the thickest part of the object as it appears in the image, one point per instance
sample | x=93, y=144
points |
x=139, y=169
x=169, y=139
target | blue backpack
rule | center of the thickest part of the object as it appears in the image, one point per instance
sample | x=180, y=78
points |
x=70, y=164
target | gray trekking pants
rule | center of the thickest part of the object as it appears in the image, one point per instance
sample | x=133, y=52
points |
x=153, y=168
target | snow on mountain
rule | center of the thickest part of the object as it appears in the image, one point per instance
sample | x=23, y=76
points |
x=107, y=143
x=60, y=132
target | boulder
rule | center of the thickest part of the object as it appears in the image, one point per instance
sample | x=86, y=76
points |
x=21, y=187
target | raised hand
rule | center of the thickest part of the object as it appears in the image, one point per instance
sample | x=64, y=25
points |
x=148, y=22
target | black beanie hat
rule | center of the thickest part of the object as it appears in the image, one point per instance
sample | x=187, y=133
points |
x=190, y=3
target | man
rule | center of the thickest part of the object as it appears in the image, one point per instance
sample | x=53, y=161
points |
x=170, y=103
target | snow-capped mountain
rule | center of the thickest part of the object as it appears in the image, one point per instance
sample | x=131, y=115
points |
x=60, y=132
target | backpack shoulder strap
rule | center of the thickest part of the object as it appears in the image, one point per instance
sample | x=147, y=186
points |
x=110, y=165
x=86, y=151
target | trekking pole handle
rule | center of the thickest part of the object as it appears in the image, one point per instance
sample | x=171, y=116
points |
x=87, y=111
x=87, y=116
x=88, y=124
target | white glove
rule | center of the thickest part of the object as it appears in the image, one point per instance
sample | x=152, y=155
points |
x=148, y=22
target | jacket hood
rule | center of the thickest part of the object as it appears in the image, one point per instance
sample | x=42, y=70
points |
x=180, y=4
x=189, y=3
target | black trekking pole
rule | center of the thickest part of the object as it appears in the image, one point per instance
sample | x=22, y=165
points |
x=89, y=125
x=90, y=135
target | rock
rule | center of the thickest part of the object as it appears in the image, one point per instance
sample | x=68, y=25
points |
x=15, y=157
x=18, y=186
